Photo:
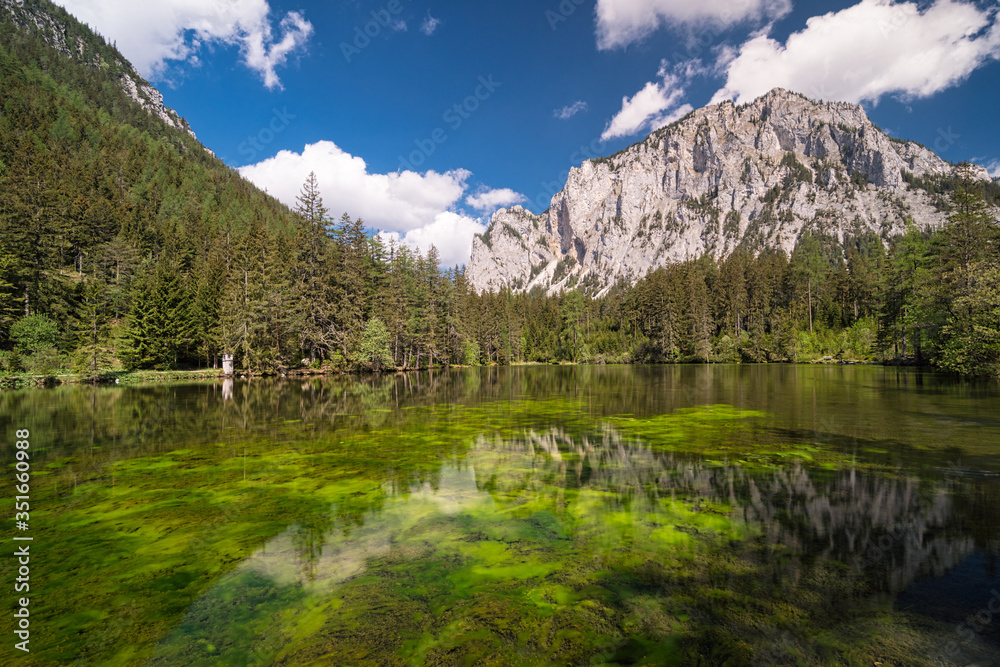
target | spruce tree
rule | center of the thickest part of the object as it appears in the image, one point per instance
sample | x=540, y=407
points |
x=313, y=289
x=94, y=351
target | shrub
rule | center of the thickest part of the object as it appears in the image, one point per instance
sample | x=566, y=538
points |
x=470, y=355
x=10, y=362
x=34, y=333
x=725, y=350
x=45, y=361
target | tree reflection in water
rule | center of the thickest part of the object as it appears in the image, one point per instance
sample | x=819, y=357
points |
x=748, y=515
x=760, y=565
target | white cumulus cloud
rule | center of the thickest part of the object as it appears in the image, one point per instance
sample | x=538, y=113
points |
x=490, y=200
x=150, y=34
x=867, y=51
x=649, y=109
x=622, y=22
x=571, y=110
x=451, y=233
x=417, y=209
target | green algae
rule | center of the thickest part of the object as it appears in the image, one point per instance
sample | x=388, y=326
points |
x=516, y=531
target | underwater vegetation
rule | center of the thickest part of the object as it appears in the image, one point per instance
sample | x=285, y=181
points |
x=480, y=521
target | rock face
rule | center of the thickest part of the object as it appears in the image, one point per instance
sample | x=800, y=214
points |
x=150, y=99
x=755, y=175
x=52, y=28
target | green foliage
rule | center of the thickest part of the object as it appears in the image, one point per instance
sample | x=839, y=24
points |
x=470, y=354
x=8, y=299
x=859, y=340
x=34, y=334
x=797, y=172
x=46, y=361
x=940, y=290
x=972, y=343
x=563, y=268
x=374, y=351
x=512, y=232
x=159, y=321
x=35, y=338
x=95, y=351
x=10, y=361
x=136, y=245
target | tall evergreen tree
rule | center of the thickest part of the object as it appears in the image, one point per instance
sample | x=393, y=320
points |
x=314, y=289
x=158, y=323
x=94, y=351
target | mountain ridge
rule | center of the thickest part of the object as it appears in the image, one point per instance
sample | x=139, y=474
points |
x=68, y=36
x=724, y=176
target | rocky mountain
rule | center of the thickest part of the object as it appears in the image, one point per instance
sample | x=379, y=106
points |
x=66, y=35
x=754, y=175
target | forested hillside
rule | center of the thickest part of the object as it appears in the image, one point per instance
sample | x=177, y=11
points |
x=125, y=244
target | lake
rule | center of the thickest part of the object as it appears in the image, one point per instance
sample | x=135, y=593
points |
x=713, y=515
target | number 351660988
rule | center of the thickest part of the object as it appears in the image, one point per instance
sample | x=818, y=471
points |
x=23, y=477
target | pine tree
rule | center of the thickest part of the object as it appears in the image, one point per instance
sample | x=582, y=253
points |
x=28, y=219
x=431, y=325
x=8, y=296
x=159, y=324
x=352, y=306
x=909, y=313
x=244, y=322
x=205, y=312
x=572, y=309
x=968, y=284
x=808, y=273
x=731, y=295
x=701, y=324
x=94, y=351
x=314, y=290
x=971, y=234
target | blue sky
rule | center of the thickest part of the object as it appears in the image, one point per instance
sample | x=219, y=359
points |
x=446, y=110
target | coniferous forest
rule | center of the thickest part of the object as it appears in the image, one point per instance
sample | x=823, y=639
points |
x=124, y=244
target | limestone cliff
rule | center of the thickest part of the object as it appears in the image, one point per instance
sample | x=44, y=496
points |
x=754, y=175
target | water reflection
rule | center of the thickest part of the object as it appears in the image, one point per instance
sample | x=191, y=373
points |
x=600, y=503
x=575, y=514
x=897, y=528
x=839, y=404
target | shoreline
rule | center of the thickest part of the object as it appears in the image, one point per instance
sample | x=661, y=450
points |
x=131, y=378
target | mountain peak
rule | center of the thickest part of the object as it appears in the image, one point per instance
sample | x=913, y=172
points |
x=726, y=176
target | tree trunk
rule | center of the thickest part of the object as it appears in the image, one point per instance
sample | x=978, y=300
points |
x=810, y=306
